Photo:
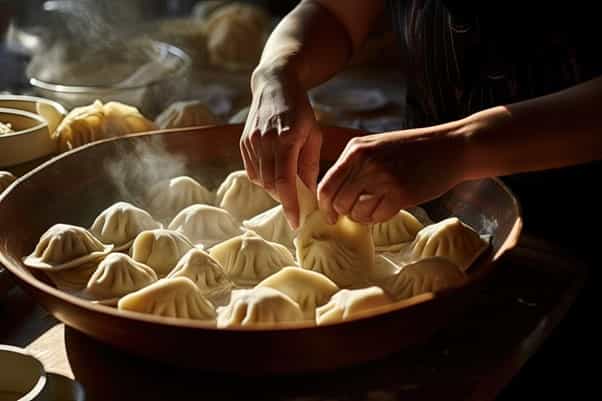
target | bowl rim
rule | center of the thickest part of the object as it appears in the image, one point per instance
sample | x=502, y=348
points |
x=83, y=89
x=42, y=378
x=32, y=116
x=32, y=99
x=510, y=242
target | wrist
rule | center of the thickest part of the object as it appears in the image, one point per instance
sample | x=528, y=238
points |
x=266, y=72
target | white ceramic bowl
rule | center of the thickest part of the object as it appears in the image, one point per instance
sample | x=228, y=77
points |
x=22, y=375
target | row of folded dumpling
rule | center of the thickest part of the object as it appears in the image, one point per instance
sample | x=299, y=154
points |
x=72, y=254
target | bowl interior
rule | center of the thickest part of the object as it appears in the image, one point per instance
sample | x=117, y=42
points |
x=21, y=121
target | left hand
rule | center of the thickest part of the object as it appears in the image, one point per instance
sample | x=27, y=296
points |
x=377, y=175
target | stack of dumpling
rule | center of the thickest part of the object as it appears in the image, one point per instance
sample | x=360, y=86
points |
x=229, y=257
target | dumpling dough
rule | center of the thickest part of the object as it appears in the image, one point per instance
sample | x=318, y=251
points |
x=97, y=121
x=426, y=275
x=204, y=271
x=236, y=34
x=118, y=275
x=273, y=226
x=258, y=306
x=389, y=235
x=74, y=279
x=248, y=258
x=65, y=246
x=121, y=223
x=184, y=114
x=6, y=179
x=176, y=297
x=309, y=289
x=205, y=225
x=451, y=239
x=168, y=197
x=346, y=304
x=243, y=199
x=160, y=249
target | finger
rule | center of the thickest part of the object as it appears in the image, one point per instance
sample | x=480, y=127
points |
x=266, y=161
x=253, y=145
x=285, y=182
x=347, y=195
x=309, y=160
x=332, y=183
x=248, y=162
x=387, y=208
x=365, y=206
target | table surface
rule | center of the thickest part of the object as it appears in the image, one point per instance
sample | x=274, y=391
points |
x=472, y=359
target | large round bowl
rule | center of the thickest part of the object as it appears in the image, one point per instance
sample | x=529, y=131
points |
x=74, y=187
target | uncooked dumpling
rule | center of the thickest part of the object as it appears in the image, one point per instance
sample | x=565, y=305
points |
x=192, y=113
x=6, y=179
x=97, y=121
x=121, y=223
x=176, y=297
x=65, y=246
x=243, y=199
x=258, y=306
x=204, y=271
x=236, y=34
x=309, y=289
x=426, y=275
x=389, y=235
x=273, y=226
x=248, y=258
x=160, y=249
x=168, y=197
x=346, y=304
x=118, y=275
x=74, y=279
x=451, y=239
x=205, y=225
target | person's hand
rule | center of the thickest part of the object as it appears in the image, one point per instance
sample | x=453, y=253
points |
x=377, y=175
x=281, y=138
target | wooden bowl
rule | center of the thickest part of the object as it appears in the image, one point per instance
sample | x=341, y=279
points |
x=75, y=186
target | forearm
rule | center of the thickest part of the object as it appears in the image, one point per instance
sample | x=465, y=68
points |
x=557, y=130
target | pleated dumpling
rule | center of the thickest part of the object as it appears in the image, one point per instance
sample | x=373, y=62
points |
x=6, y=179
x=309, y=289
x=204, y=271
x=205, y=225
x=273, y=226
x=160, y=249
x=346, y=304
x=258, y=306
x=248, y=258
x=121, y=223
x=118, y=275
x=191, y=113
x=426, y=275
x=176, y=297
x=390, y=234
x=451, y=239
x=66, y=246
x=73, y=279
x=243, y=199
x=168, y=197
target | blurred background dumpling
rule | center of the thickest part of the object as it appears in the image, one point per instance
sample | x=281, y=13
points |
x=190, y=113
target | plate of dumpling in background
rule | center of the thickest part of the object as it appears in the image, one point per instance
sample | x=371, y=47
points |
x=198, y=267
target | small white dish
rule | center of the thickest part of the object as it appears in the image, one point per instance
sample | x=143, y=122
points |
x=23, y=377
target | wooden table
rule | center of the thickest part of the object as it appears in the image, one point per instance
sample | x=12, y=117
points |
x=471, y=360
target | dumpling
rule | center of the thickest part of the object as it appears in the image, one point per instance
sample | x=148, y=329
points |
x=6, y=179
x=176, y=297
x=258, y=306
x=65, y=246
x=309, y=289
x=273, y=226
x=248, y=258
x=243, y=199
x=426, y=275
x=384, y=267
x=168, y=197
x=205, y=225
x=121, y=223
x=183, y=114
x=204, y=8
x=160, y=249
x=186, y=33
x=118, y=275
x=235, y=35
x=74, y=279
x=204, y=271
x=97, y=121
x=420, y=214
x=347, y=304
x=389, y=235
x=451, y=239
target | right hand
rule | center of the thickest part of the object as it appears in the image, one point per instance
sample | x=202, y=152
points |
x=281, y=138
